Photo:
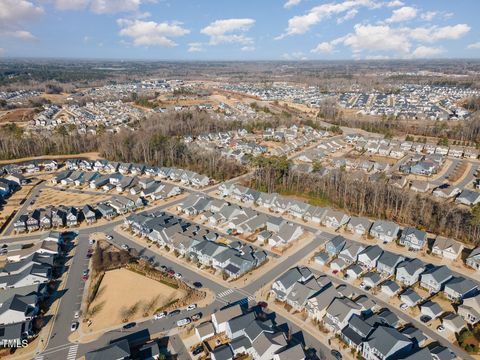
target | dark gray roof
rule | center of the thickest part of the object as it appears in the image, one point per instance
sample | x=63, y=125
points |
x=223, y=353
x=241, y=322
x=117, y=350
x=386, y=338
x=239, y=342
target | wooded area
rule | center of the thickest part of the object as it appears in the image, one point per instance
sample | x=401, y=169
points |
x=375, y=199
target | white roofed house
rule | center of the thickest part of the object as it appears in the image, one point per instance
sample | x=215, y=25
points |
x=384, y=230
x=335, y=219
x=447, y=248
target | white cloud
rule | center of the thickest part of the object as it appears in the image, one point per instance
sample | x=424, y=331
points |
x=300, y=24
x=71, y=4
x=474, y=45
x=324, y=47
x=369, y=40
x=247, y=48
x=114, y=6
x=426, y=52
x=348, y=16
x=298, y=55
x=405, y=13
x=149, y=33
x=229, y=31
x=429, y=15
x=435, y=33
x=377, y=57
x=14, y=14
x=291, y=3
x=195, y=47
x=395, y=3
x=2, y=52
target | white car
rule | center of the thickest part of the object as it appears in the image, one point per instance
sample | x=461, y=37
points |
x=125, y=247
x=191, y=307
x=362, y=285
x=440, y=328
x=91, y=241
x=77, y=314
x=178, y=275
x=403, y=306
x=109, y=237
x=184, y=322
x=160, y=315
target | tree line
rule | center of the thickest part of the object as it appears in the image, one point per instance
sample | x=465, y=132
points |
x=376, y=199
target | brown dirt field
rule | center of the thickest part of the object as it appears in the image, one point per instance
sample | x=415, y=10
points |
x=123, y=288
x=90, y=155
x=55, y=197
x=16, y=115
x=56, y=98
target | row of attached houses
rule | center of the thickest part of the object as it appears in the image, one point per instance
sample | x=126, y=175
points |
x=186, y=177
x=24, y=285
x=198, y=244
x=69, y=216
x=357, y=320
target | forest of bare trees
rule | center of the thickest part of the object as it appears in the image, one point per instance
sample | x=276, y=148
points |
x=375, y=199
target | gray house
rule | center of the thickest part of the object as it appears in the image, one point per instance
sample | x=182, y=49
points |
x=359, y=225
x=369, y=256
x=458, y=288
x=335, y=245
x=386, y=343
x=473, y=260
x=434, y=280
x=384, y=230
x=408, y=272
x=413, y=239
x=388, y=262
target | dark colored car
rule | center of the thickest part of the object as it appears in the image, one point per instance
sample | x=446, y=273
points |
x=129, y=325
x=263, y=304
x=336, y=354
x=197, y=350
x=197, y=284
x=174, y=312
x=197, y=316
x=425, y=318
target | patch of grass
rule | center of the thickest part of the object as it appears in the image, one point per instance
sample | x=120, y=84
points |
x=170, y=303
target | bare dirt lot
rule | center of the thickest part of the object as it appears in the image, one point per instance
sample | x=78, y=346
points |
x=16, y=115
x=54, y=197
x=124, y=289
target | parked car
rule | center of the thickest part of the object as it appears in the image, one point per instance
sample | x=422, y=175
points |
x=160, y=315
x=403, y=306
x=174, y=312
x=85, y=272
x=129, y=325
x=336, y=354
x=198, y=350
x=425, y=318
x=109, y=237
x=178, y=275
x=91, y=241
x=197, y=284
x=125, y=247
x=440, y=328
x=184, y=321
x=191, y=307
x=74, y=326
x=77, y=314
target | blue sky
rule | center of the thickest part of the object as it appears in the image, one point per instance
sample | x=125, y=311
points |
x=240, y=29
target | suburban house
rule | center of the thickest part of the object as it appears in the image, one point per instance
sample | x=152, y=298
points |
x=388, y=262
x=335, y=245
x=447, y=248
x=410, y=297
x=386, y=343
x=413, y=239
x=473, y=260
x=317, y=305
x=335, y=219
x=356, y=332
x=434, y=279
x=409, y=271
x=284, y=284
x=221, y=317
x=469, y=310
x=350, y=252
x=369, y=256
x=458, y=288
x=339, y=313
x=431, y=309
x=359, y=225
x=288, y=232
x=384, y=230
x=468, y=197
